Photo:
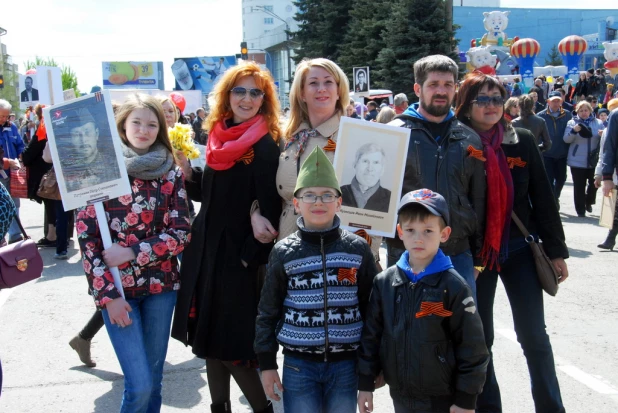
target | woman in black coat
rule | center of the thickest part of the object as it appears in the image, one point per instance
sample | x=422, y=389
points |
x=217, y=302
x=517, y=181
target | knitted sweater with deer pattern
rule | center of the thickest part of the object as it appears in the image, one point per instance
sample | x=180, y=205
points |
x=314, y=297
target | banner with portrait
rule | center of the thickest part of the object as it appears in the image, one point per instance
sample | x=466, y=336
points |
x=361, y=80
x=28, y=90
x=86, y=151
x=370, y=161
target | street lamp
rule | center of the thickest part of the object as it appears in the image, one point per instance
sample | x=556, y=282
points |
x=287, y=35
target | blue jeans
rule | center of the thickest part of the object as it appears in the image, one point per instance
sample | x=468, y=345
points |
x=314, y=387
x=141, y=349
x=463, y=263
x=556, y=170
x=525, y=295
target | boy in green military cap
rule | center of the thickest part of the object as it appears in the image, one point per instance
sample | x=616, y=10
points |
x=313, y=300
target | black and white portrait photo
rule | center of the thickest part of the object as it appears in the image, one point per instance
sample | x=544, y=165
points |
x=361, y=79
x=86, y=150
x=29, y=92
x=369, y=163
x=365, y=191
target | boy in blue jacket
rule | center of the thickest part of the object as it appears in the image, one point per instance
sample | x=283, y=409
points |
x=422, y=328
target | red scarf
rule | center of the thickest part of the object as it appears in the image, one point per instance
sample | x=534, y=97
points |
x=228, y=145
x=499, y=197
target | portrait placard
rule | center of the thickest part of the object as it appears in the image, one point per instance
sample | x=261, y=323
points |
x=50, y=85
x=86, y=151
x=361, y=80
x=370, y=161
x=28, y=91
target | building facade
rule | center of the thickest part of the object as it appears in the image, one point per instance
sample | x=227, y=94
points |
x=11, y=78
x=547, y=26
x=264, y=24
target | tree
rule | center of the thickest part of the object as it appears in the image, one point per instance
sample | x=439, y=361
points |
x=322, y=27
x=365, y=38
x=415, y=29
x=69, y=78
x=553, y=57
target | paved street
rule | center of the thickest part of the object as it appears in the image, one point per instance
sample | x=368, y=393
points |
x=43, y=374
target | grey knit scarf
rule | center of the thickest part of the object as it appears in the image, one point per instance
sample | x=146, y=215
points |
x=157, y=162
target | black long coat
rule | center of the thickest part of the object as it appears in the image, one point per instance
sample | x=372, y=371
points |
x=226, y=293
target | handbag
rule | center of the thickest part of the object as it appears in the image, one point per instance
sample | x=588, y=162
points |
x=20, y=262
x=545, y=269
x=19, y=183
x=593, y=155
x=48, y=188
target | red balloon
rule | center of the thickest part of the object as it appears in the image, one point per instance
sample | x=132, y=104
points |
x=525, y=48
x=31, y=72
x=573, y=45
x=179, y=101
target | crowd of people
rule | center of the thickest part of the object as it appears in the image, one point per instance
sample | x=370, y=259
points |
x=265, y=265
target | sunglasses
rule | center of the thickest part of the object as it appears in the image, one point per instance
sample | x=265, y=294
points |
x=241, y=92
x=484, y=101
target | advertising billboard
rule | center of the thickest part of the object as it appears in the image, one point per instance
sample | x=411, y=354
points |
x=133, y=75
x=200, y=73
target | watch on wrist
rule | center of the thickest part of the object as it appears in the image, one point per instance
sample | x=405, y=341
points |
x=479, y=268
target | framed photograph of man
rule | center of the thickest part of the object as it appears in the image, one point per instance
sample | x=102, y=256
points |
x=361, y=79
x=86, y=150
x=28, y=91
x=369, y=163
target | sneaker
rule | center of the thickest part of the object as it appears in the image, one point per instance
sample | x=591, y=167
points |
x=61, y=255
x=45, y=243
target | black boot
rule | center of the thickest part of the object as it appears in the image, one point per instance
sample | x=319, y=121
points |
x=610, y=241
x=268, y=409
x=225, y=407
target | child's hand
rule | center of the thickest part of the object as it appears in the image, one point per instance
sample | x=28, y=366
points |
x=269, y=379
x=457, y=409
x=365, y=402
x=117, y=255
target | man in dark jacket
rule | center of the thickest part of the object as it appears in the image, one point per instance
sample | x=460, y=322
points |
x=443, y=157
x=555, y=158
x=200, y=135
x=373, y=111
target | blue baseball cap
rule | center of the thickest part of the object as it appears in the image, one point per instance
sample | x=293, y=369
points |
x=430, y=200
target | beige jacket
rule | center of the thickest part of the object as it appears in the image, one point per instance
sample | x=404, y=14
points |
x=288, y=173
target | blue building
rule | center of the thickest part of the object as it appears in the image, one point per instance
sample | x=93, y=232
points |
x=547, y=26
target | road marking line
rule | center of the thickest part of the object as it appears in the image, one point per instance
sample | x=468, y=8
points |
x=567, y=368
x=588, y=380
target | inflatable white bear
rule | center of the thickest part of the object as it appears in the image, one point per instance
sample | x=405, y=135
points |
x=495, y=23
x=479, y=57
x=611, y=55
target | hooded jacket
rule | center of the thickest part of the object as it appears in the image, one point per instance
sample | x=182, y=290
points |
x=441, y=158
x=425, y=335
x=11, y=142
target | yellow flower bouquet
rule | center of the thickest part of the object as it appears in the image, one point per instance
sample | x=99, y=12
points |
x=180, y=137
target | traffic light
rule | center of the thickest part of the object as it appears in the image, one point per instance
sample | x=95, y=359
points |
x=1, y=81
x=244, y=52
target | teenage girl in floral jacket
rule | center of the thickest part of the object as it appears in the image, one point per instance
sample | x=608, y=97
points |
x=149, y=228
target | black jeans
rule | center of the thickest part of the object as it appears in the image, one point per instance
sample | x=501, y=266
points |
x=556, y=170
x=584, y=191
x=93, y=326
x=525, y=295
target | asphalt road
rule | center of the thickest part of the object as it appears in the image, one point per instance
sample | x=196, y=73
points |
x=43, y=374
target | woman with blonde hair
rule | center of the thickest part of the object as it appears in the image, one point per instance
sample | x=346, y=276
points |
x=318, y=99
x=583, y=134
x=217, y=305
x=511, y=109
x=386, y=115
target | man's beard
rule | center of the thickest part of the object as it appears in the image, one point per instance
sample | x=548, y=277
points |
x=437, y=111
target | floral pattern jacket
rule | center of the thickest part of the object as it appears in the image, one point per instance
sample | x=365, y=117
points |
x=153, y=220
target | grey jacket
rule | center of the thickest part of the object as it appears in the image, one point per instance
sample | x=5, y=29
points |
x=580, y=147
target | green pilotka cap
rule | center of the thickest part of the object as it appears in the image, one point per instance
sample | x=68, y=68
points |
x=317, y=171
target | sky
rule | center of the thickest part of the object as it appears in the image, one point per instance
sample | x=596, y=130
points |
x=84, y=33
